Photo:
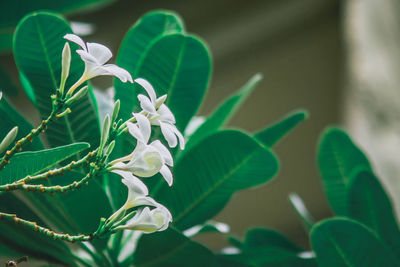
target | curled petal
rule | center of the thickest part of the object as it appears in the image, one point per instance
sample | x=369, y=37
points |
x=88, y=59
x=146, y=104
x=166, y=114
x=164, y=152
x=100, y=52
x=180, y=137
x=75, y=39
x=136, y=132
x=168, y=133
x=134, y=184
x=113, y=70
x=149, y=89
x=167, y=174
x=144, y=126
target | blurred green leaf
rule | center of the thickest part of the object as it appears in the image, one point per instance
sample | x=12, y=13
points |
x=338, y=157
x=171, y=248
x=343, y=242
x=271, y=135
x=223, y=113
x=369, y=204
x=265, y=256
x=302, y=211
x=208, y=175
x=261, y=237
x=40, y=63
x=31, y=163
x=9, y=118
x=134, y=49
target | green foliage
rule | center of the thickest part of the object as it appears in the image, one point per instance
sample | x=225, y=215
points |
x=338, y=157
x=272, y=134
x=224, y=112
x=221, y=170
x=31, y=163
x=40, y=63
x=343, y=242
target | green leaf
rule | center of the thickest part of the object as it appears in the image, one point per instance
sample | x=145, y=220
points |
x=261, y=237
x=171, y=248
x=338, y=157
x=31, y=163
x=343, y=242
x=265, y=256
x=271, y=135
x=27, y=241
x=40, y=63
x=208, y=175
x=302, y=211
x=135, y=47
x=9, y=118
x=369, y=204
x=224, y=112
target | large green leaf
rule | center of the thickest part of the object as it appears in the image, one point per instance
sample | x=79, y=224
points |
x=9, y=118
x=171, y=248
x=40, y=63
x=31, y=163
x=265, y=256
x=134, y=49
x=206, y=177
x=338, y=157
x=369, y=204
x=275, y=132
x=261, y=237
x=223, y=113
x=342, y=242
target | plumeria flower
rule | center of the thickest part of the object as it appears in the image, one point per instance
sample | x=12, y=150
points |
x=149, y=221
x=137, y=194
x=95, y=56
x=159, y=114
x=146, y=160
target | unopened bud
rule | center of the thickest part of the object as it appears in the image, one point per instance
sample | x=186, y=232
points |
x=110, y=148
x=65, y=65
x=115, y=110
x=160, y=101
x=10, y=137
x=65, y=112
x=104, y=133
x=81, y=93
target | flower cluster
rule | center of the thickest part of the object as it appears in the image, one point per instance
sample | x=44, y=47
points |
x=140, y=211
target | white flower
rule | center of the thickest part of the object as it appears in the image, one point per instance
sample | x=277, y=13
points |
x=146, y=160
x=95, y=56
x=159, y=114
x=149, y=221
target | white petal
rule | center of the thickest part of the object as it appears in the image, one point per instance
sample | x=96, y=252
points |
x=100, y=52
x=136, y=132
x=194, y=124
x=167, y=174
x=164, y=152
x=88, y=58
x=180, y=137
x=168, y=133
x=144, y=126
x=144, y=201
x=76, y=39
x=166, y=114
x=146, y=104
x=134, y=184
x=149, y=89
x=113, y=70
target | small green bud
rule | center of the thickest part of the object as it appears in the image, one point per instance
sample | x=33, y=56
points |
x=81, y=93
x=110, y=148
x=65, y=112
x=115, y=110
x=10, y=137
x=104, y=133
x=65, y=64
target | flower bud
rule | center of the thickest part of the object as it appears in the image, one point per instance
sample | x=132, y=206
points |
x=10, y=137
x=65, y=65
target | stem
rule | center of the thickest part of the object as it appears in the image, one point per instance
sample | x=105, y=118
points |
x=44, y=176
x=47, y=232
x=18, y=145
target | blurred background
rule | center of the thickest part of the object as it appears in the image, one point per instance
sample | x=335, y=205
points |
x=336, y=59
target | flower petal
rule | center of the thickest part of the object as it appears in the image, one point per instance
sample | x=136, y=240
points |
x=166, y=114
x=87, y=58
x=180, y=137
x=167, y=174
x=144, y=126
x=113, y=70
x=168, y=133
x=163, y=151
x=149, y=89
x=76, y=39
x=136, y=132
x=146, y=104
x=135, y=186
x=100, y=52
